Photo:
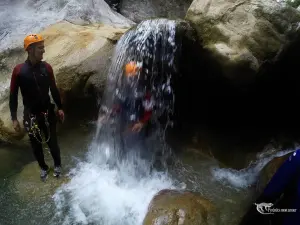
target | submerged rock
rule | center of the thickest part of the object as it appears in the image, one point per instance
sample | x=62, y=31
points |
x=171, y=207
x=29, y=186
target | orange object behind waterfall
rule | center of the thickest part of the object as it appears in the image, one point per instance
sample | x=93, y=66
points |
x=131, y=69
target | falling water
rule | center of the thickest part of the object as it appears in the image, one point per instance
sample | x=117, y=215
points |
x=104, y=189
x=152, y=45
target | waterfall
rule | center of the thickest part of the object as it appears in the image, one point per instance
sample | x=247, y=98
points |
x=106, y=188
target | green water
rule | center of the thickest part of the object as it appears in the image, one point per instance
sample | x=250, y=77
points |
x=24, y=199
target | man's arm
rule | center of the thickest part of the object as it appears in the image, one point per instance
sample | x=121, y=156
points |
x=53, y=88
x=14, y=90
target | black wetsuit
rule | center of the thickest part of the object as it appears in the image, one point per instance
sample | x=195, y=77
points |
x=35, y=81
x=133, y=107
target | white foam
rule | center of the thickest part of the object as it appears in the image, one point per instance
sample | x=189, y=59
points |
x=248, y=176
x=18, y=19
x=111, y=196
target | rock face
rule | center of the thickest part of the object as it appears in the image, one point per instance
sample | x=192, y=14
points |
x=78, y=53
x=242, y=34
x=79, y=56
x=29, y=185
x=145, y=9
x=170, y=207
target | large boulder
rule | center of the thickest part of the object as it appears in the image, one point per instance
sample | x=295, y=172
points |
x=79, y=56
x=241, y=35
x=78, y=53
x=170, y=207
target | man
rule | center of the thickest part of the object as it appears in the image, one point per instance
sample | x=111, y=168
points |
x=34, y=78
x=283, y=192
x=134, y=105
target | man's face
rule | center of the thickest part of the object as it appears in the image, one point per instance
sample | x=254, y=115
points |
x=37, y=50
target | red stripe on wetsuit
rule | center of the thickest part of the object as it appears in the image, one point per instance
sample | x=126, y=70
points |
x=24, y=70
x=14, y=87
x=147, y=113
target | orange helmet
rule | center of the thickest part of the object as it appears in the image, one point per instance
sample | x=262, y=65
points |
x=131, y=69
x=32, y=38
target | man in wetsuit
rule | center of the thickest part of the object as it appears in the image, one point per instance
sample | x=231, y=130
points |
x=134, y=104
x=283, y=191
x=35, y=78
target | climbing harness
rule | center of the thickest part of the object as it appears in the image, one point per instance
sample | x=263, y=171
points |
x=35, y=130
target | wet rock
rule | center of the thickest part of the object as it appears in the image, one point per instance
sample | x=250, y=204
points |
x=268, y=171
x=11, y=158
x=185, y=32
x=171, y=207
x=7, y=132
x=28, y=185
x=8, y=60
x=241, y=35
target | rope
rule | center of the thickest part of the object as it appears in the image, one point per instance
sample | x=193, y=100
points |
x=35, y=130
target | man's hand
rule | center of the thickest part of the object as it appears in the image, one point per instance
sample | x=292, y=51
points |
x=16, y=125
x=61, y=115
x=137, y=127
